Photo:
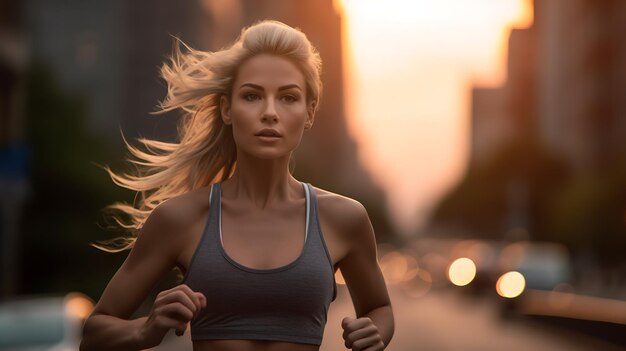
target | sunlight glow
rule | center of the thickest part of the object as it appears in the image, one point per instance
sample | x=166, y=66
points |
x=409, y=67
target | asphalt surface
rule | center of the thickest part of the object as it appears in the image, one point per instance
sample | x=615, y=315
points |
x=447, y=321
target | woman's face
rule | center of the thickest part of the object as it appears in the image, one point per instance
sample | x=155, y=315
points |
x=268, y=109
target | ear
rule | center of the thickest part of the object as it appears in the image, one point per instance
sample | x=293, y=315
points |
x=310, y=114
x=225, y=110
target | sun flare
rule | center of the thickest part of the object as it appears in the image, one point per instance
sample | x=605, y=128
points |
x=409, y=67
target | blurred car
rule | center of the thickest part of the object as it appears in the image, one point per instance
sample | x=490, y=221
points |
x=43, y=323
x=509, y=269
x=542, y=265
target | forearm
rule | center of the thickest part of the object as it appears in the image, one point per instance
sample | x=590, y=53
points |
x=103, y=332
x=382, y=317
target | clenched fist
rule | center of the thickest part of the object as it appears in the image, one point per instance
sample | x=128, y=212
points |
x=361, y=334
x=172, y=308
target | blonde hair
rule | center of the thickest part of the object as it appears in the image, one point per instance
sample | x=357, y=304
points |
x=206, y=153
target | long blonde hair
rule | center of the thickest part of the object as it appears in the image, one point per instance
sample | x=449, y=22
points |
x=206, y=153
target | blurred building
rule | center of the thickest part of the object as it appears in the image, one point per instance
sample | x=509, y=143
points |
x=548, y=147
x=82, y=45
x=502, y=114
x=581, y=78
x=13, y=151
x=13, y=61
x=149, y=27
x=491, y=124
x=566, y=85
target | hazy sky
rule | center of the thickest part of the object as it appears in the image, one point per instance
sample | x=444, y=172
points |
x=410, y=66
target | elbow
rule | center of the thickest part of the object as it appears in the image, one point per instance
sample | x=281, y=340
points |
x=391, y=328
x=83, y=346
x=84, y=340
x=89, y=332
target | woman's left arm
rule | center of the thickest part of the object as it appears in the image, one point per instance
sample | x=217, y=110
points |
x=374, y=325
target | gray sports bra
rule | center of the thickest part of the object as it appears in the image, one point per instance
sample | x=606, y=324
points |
x=288, y=303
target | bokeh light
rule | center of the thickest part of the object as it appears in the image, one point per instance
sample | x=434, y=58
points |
x=394, y=266
x=78, y=305
x=462, y=271
x=511, y=284
x=419, y=285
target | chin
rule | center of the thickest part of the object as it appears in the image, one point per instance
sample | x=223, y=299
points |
x=269, y=154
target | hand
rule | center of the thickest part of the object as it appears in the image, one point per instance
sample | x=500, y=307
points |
x=172, y=308
x=361, y=334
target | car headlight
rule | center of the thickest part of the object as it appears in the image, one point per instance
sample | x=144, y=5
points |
x=511, y=284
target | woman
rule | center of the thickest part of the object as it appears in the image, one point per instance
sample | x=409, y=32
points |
x=222, y=206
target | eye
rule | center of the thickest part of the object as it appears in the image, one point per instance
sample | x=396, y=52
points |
x=251, y=97
x=289, y=98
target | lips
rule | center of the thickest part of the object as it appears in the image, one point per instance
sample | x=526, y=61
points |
x=268, y=133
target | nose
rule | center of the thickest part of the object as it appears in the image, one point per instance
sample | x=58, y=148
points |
x=269, y=112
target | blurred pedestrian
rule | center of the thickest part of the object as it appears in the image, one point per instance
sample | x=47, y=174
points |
x=257, y=247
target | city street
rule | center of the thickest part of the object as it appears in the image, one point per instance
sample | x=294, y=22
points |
x=483, y=141
x=445, y=321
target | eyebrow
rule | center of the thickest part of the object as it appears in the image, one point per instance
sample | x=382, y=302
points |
x=284, y=87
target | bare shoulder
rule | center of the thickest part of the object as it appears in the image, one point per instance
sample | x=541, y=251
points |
x=346, y=214
x=182, y=209
x=168, y=224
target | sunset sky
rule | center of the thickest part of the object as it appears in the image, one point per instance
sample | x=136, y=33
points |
x=410, y=67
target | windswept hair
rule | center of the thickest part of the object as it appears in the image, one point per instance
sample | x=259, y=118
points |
x=206, y=152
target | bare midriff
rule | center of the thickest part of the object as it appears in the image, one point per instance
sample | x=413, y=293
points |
x=251, y=345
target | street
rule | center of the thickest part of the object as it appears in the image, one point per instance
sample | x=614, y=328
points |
x=445, y=321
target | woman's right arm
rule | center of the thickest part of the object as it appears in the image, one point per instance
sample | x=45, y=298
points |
x=155, y=253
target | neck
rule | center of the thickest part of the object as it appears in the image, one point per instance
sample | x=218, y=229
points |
x=262, y=182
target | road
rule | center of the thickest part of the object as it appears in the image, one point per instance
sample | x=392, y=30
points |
x=446, y=321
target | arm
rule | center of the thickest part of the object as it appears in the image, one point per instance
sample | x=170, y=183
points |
x=153, y=255
x=374, y=326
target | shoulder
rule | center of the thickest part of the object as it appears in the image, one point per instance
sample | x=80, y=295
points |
x=181, y=209
x=344, y=213
x=167, y=224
